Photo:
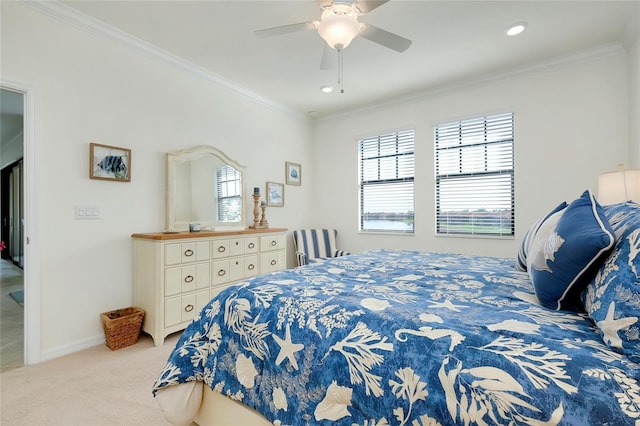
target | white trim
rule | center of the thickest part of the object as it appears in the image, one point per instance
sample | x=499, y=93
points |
x=598, y=52
x=77, y=346
x=87, y=23
x=32, y=354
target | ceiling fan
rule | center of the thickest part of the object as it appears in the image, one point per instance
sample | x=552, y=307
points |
x=339, y=25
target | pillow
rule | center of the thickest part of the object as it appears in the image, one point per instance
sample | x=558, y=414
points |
x=564, y=259
x=525, y=247
x=612, y=298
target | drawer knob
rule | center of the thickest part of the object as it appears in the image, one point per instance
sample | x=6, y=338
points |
x=251, y=267
x=221, y=272
x=189, y=308
x=188, y=252
x=188, y=278
x=237, y=243
x=274, y=243
x=251, y=245
x=222, y=249
x=273, y=262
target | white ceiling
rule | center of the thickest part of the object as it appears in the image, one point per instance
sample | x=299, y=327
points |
x=453, y=42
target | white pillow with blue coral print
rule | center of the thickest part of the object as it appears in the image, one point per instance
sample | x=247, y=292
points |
x=612, y=298
x=563, y=260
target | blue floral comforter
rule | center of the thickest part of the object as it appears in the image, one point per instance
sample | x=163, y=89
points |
x=392, y=337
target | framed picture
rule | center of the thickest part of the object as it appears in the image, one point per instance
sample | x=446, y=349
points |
x=109, y=163
x=275, y=194
x=294, y=173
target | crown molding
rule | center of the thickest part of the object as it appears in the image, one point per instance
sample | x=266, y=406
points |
x=87, y=23
x=597, y=52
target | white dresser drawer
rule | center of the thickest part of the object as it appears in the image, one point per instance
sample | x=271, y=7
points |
x=220, y=272
x=251, y=266
x=272, y=242
x=186, y=278
x=197, y=251
x=220, y=248
x=243, y=267
x=184, y=308
x=272, y=261
x=245, y=245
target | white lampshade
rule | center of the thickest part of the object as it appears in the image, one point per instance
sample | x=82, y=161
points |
x=338, y=29
x=618, y=187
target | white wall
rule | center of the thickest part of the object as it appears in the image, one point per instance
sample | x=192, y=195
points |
x=634, y=102
x=571, y=124
x=92, y=89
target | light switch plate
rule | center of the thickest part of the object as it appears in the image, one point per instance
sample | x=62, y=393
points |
x=87, y=212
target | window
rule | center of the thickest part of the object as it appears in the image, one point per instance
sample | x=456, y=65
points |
x=228, y=196
x=474, y=176
x=386, y=182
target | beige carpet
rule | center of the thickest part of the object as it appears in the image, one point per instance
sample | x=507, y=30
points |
x=94, y=387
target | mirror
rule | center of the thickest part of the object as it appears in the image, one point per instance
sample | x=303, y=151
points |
x=204, y=186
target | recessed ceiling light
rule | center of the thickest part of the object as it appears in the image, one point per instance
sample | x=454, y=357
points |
x=326, y=89
x=515, y=29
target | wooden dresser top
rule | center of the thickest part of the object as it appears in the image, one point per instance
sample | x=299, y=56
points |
x=203, y=234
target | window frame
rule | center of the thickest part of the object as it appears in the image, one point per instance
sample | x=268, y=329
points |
x=403, y=159
x=222, y=179
x=477, y=220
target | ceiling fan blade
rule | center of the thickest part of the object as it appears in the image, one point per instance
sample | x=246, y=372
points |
x=385, y=38
x=285, y=29
x=365, y=6
x=329, y=58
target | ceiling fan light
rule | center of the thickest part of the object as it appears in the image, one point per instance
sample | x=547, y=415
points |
x=338, y=30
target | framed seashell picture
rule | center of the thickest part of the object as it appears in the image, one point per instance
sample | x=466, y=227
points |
x=109, y=163
x=293, y=173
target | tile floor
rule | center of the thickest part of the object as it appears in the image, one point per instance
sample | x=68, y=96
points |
x=11, y=318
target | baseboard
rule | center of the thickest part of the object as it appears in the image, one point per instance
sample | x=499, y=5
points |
x=72, y=348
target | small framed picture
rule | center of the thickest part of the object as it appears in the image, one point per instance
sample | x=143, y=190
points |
x=294, y=173
x=275, y=194
x=109, y=163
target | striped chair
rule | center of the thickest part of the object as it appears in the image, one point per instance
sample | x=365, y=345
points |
x=315, y=245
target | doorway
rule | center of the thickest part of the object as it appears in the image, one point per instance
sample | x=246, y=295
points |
x=11, y=229
x=17, y=152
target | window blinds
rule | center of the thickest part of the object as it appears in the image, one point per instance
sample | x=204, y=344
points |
x=386, y=182
x=228, y=194
x=475, y=176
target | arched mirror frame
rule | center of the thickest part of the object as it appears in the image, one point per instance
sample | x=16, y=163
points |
x=177, y=157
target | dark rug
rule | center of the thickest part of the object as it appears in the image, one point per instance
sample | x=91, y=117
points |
x=18, y=296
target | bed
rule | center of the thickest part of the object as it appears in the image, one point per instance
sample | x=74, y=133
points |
x=395, y=337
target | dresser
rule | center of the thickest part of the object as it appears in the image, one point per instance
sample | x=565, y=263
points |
x=176, y=275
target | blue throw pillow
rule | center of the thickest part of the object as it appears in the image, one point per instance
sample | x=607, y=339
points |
x=563, y=261
x=525, y=247
x=612, y=298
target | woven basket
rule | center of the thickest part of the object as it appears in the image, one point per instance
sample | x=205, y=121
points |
x=122, y=327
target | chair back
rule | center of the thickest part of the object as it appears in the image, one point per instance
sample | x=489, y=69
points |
x=315, y=243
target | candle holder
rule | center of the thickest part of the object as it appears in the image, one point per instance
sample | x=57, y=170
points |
x=256, y=210
x=264, y=223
